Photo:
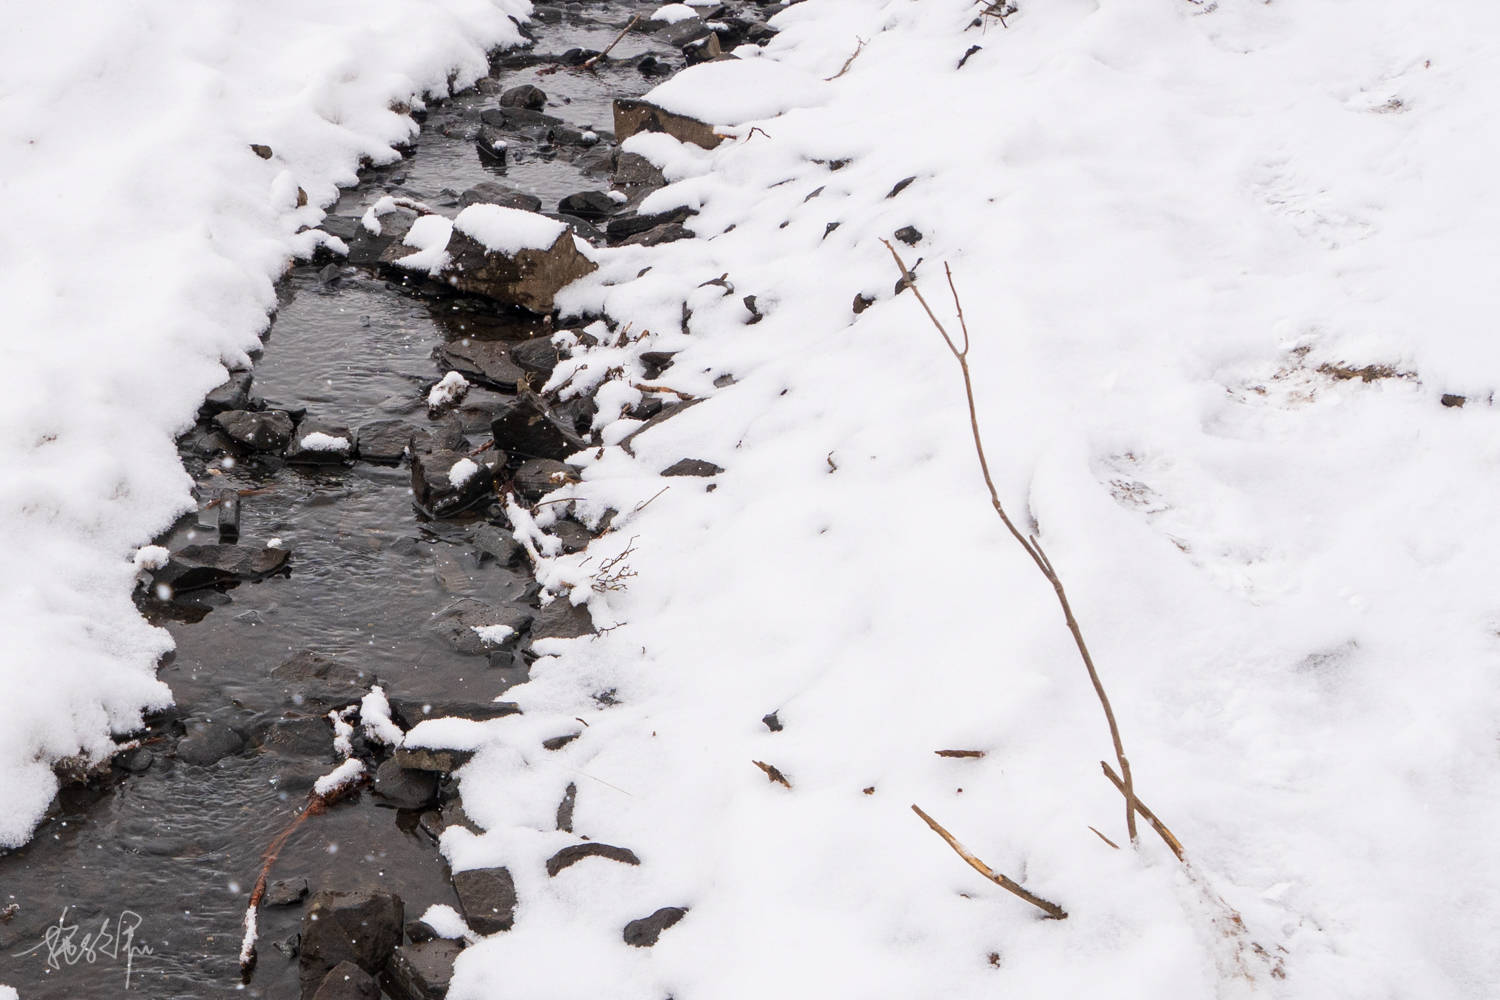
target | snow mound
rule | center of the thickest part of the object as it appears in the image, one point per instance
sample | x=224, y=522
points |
x=735, y=91
x=508, y=230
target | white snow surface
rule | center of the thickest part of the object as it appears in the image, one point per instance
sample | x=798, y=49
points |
x=508, y=230
x=493, y=634
x=340, y=777
x=319, y=441
x=146, y=236
x=446, y=922
x=673, y=13
x=9, y=993
x=462, y=471
x=450, y=389
x=430, y=234
x=375, y=718
x=737, y=91
x=1173, y=227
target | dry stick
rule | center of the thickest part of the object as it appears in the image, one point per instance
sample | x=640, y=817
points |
x=848, y=62
x=1032, y=546
x=1167, y=836
x=1102, y=837
x=589, y=62
x=1046, y=906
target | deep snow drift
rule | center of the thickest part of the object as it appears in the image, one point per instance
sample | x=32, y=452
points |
x=1178, y=230
x=144, y=237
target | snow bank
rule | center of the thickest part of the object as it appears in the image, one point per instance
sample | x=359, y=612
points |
x=508, y=230
x=146, y=234
x=736, y=90
x=1176, y=228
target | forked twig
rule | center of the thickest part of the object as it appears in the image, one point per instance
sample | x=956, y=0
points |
x=1030, y=543
x=1167, y=836
x=1010, y=885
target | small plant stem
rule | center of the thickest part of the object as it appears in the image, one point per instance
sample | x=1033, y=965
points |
x=1010, y=885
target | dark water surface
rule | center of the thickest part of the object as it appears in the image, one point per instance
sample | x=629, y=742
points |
x=164, y=858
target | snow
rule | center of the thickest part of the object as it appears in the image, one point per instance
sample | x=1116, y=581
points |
x=450, y=389
x=150, y=557
x=736, y=91
x=1171, y=227
x=430, y=234
x=319, y=441
x=375, y=718
x=462, y=471
x=673, y=13
x=8, y=993
x=508, y=230
x=446, y=922
x=339, y=778
x=343, y=732
x=146, y=237
x=493, y=634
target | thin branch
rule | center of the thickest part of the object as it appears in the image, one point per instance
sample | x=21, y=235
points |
x=1031, y=545
x=1010, y=885
x=1165, y=834
x=1102, y=837
x=848, y=62
x=591, y=60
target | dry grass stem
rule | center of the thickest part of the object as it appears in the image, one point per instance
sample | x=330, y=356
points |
x=959, y=753
x=773, y=773
x=1167, y=836
x=1010, y=885
x=848, y=62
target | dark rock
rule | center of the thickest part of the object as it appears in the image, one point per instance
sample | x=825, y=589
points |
x=367, y=248
x=653, y=363
x=558, y=742
x=588, y=205
x=488, y=362
x=910, y=235
x=362, y=926
x=233, y=394
x=536, y=477
x=649, y=65
x=567, y=135
x=562, y=619
x=206, y=442
x=487, y=897
x=345, y=227
x=228, y=502
x=340, y=443
x=645, y=932
x=524, y=96
x=289, y=946
x=384, y=441
x=635, y=115
x=692, y=467
x=566, y=806
x=670, y=233
x=434, y=489
x=574, y=536
x=624, y=227
x=285, y=892
x=456, y=623
x=318, y=683
x=401, y=788
x=136, y=760
x=514, y=119
x=346, y=981
x=428, y=760
x=418, y=931
x=772, y=721
x=266, y=430
x=193, y=567
x=527, y=427
x=304, y=736
x=703, y=50
x=498, y=544
x=208, y=743
x=529, y=278
x=492, y=146
x=537, y=356
x=685, y=32
x=862, y=302
x=759, y=33
x=421, y=971
x=577, y=56
x=571, y=855
x=1453, y=400
x=407, y=712
x=491, y=193
x=900, y=186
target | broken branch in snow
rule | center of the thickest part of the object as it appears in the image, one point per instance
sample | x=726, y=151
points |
x=1167, y=836
x=1010, y=885
x=772, y=772
x=1030, y=543
x=848, y=62
x=959, y=753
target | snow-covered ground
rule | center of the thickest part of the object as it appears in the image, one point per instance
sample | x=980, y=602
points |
x=1176, y=227
x=144, y=235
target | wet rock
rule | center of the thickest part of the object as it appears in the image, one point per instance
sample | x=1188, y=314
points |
x=491, y=193
x=492, y=145
x=362, y=926
x=401, y=788
x=669, y=233
x=567, y=135
x=910, y=235
x=635, y=115
x=421, y=971
x=418, y=931
x=456, y=625
x=759, y=33
x=692, y=467
x=318, y=683
x=429, y=760
x=703, y=50
x=206, y=442
x=589, y=205
x=345, y=227
x=445, y=483
x=207, y=743
x=318, y=442
x=524, y=96
x=496, y=543
x=232, y=394
x=574, y=536
x=489, y=362
x=305, y=736
x=528, y=427
x=285, y=892
x=597, y=161
x=407, y=712
x=537, y=356
x=536, y=477
x=581, y=228
x=685, y=32
x=194, y=567
x=528, y=278
x=347, y=981
x=384, y=441
x=265, y=430
x=487, y=897
x=367, y=248
x=136, y=760
x=624, y=227
x=515, y=119
x=571, y=855
x=646, y=931
x=228, y=504
x=649, y=65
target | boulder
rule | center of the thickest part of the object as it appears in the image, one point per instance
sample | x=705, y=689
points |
x=384, y=441
x=362, y=927
x=524, y=96
x=669, y=233
x=562, y=619
x=445, y=483
x=528, y=427
x=456, y=625
x=317, y=683
x=588, y=205
x=536, y=477
x=487, y=897
x=400, y=788
x=634, y=115
x=421, y=971
x=264, y=430
x=318, y=442
x=232, y=394
x=524, y=260
x=431, y=760
x=285, y=892
x=208, y=742
x=491, y=193
x=346, y=981
x=537, y=356
x=702, y=50
x=194, y=567
x=488, y=362
x=626, y=226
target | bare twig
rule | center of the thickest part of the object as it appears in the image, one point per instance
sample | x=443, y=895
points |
x=1102, y=837
x=646, y=503
x=959, y=753
x=1030, y=543
x=1167, y=836
x=591, y=60
x=1010, y=885
x=848, y=62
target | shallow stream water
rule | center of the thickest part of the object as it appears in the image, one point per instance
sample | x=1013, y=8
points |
x=161, y=855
